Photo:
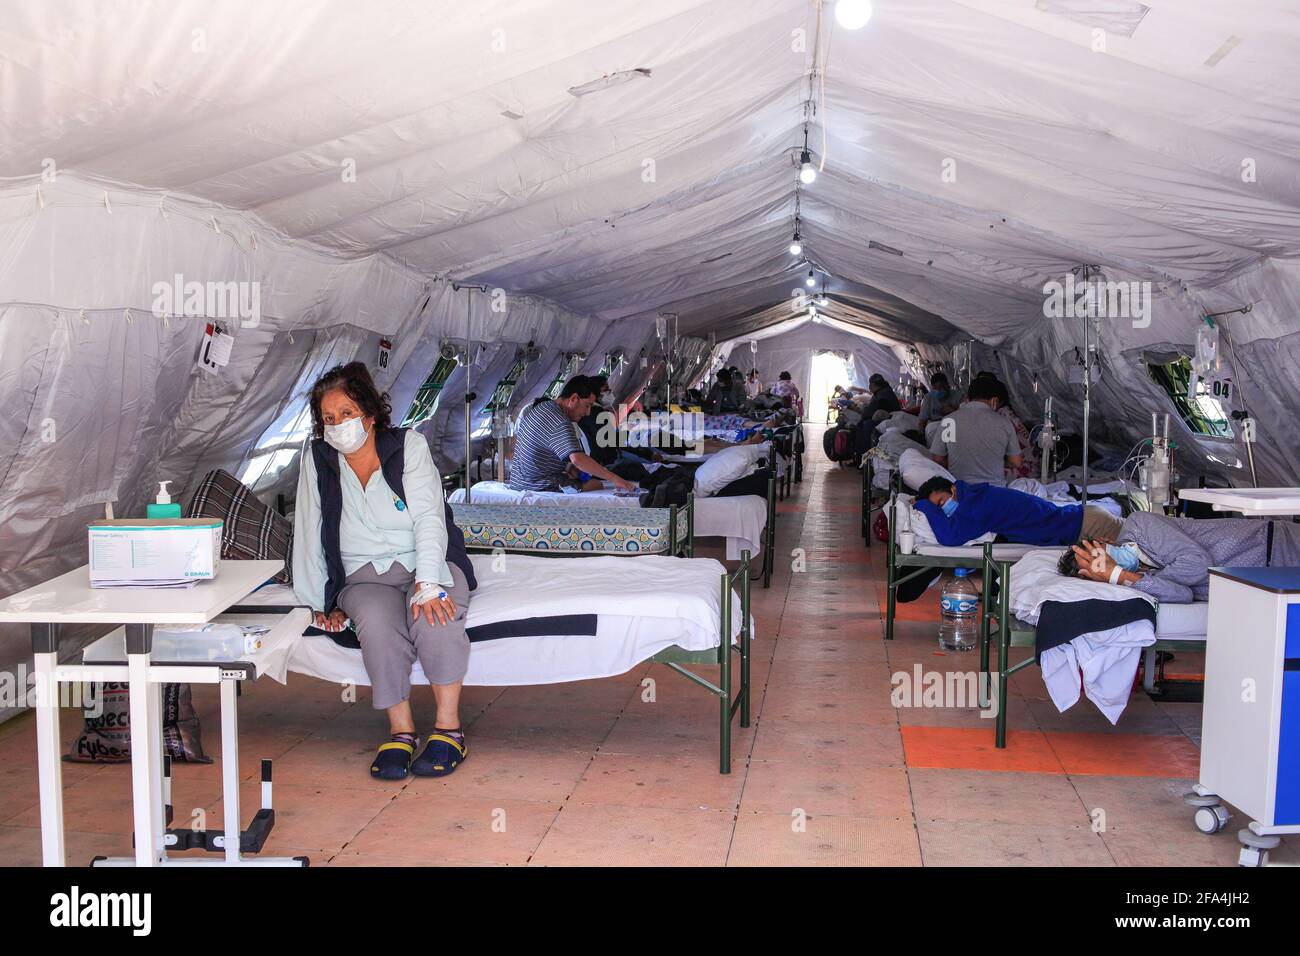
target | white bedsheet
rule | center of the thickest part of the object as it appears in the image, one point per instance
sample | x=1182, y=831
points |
x=740, y=520
x=642, y=609
x=1104, y=661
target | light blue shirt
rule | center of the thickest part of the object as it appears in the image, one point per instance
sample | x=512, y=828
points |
x=373, y=529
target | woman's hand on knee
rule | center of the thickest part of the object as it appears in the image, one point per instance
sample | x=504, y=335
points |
x=436, y=611
x=333, y=621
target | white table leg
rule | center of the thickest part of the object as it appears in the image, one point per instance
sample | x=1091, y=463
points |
x=230, y=768
x=49, y=759
x=146, y=750
x=157, y=805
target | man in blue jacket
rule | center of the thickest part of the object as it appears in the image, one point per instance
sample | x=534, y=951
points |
x=960, y=511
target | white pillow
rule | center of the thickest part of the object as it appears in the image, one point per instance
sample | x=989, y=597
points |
x=894, y=443
x=903, y=421
x=724, y=467
x=925, y=534
x=917, y=468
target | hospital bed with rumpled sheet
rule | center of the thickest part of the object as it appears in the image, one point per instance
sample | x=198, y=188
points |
x=537, y=620
x=1178, y=627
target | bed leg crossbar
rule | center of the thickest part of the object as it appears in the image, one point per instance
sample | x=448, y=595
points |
x=732, y=695
x=677, y=546
x=866, y=500
x=769, y=533
x=893, y=578
x=998, y=572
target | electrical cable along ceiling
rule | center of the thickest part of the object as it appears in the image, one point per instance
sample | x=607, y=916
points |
x=600, y=164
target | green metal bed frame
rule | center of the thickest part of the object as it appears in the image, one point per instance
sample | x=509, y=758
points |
x=1012, y=632
x=868, y=492
x=733, y=696
x=901, y=568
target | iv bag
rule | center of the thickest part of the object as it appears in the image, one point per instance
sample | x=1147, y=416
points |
x=1206, y=358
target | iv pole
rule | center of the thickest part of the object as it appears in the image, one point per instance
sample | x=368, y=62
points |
x=1247, y=420
x=1087, y=373
x=469, y=396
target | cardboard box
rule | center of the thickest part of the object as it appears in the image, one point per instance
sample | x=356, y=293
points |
x=154, y=551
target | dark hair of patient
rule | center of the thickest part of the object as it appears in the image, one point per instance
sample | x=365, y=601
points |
x=1069, y=564
x=931, y=485
x=354, y=381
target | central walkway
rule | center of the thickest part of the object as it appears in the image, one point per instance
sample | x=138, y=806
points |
x=624, y=770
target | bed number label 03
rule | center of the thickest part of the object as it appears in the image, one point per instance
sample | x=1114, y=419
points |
x=385, y=352
x=958, y=605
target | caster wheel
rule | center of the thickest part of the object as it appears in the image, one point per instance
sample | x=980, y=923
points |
x=1254, y=848
x=1211, y=819
x=1252, y=856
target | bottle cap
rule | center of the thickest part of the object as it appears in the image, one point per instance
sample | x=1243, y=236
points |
x=163, y=497
x=961, y=572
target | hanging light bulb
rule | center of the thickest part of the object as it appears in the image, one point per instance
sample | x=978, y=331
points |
x=807, y=172
x=852, y=14
x=796, y=245
x=811, y=280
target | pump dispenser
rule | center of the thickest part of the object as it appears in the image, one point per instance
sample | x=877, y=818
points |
x=163, y=506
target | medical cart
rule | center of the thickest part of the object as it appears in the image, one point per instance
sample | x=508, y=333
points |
x=1250, y=735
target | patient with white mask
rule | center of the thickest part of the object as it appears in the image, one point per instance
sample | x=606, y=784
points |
x=1170, y=558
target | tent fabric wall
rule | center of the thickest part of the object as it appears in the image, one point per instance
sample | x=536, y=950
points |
x=793, y=351
x=108, y=394
x=359, y=161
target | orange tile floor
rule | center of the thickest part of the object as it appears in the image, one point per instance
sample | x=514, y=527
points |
x=595, y=773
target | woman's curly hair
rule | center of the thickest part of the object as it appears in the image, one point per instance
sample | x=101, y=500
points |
x=354, y=381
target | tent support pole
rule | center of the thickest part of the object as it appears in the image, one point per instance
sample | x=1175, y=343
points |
x=1087, y=384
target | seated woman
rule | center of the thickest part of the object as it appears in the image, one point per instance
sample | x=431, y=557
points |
x=961, y=511
x=1170, y=558
x=374, y=541
x=786, y=390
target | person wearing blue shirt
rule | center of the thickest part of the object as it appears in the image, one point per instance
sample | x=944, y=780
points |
x=961, y=511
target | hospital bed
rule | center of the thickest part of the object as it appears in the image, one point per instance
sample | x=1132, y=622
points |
x=538, y=621
x=1179, y=627
x=577, y=528
x=739, y=520
x=744, y=521
x=901, y=568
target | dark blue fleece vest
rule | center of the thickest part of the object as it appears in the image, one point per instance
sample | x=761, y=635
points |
x=391, y=446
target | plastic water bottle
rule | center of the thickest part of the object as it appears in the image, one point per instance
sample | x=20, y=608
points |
x=959, y=612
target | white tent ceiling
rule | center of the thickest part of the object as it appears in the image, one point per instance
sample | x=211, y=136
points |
x=353, y=157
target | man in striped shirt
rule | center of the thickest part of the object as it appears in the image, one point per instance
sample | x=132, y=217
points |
x=547, y=451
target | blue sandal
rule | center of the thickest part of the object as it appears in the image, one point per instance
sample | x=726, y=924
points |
x=392, y=761
x=443, y=753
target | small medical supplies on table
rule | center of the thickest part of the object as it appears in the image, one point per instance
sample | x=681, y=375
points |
x=1250, y=727
x=153, y=553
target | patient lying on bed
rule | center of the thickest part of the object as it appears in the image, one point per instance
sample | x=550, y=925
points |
x=962, y=511
x=1170, y=558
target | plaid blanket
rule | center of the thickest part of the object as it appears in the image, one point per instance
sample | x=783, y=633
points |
x=252, y=531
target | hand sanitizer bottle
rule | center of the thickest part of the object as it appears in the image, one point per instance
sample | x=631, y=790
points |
x=163, y=506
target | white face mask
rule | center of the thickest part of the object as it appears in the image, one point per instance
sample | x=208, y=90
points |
x=346, y=436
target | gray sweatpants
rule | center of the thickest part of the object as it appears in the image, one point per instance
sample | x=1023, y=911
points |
x=391, y=640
